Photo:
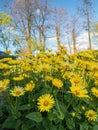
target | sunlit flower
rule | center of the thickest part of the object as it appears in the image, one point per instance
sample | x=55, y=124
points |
x=79, y=91
x=30, y=86
x=66, y=75
x=17, y=91
x=4, y=85
x=48, y=78
x=45, y=102
x=44, y=67
x=57, y=83
x=76, y=80
x=94, y=91
x=18, y=78
x=91, y=115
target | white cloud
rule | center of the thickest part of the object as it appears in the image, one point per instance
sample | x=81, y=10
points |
x=82, y=42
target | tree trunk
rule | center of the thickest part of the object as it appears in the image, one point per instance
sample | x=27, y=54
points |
x=88, y=25
x=58, y=37
x=74, y=41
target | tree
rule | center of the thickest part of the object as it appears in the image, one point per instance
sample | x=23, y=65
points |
x=5, y=22
x=31, y=19
x=59, y=17
x=86, y=10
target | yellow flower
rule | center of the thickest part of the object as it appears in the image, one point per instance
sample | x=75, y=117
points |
x=45, y=102
x=76, y=80
x=91, y=115
x=17, y=91
x=18, y=78
x=44, y=67
x=57, y=83
x=66, y=75
x=30, y=86
x=94, y=91
x=4, y=85
x=79, y=91
x=48, y=78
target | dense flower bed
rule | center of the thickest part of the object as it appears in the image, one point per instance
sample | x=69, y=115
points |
x=50, y=91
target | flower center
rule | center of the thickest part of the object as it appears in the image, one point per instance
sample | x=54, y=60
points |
x=18, y=92
x=1, y=88
x=77, y=92
x=90, y=115
x=46, y=103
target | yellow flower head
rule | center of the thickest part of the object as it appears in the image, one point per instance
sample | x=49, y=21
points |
x=57, y=83
x=18, y=78
x=94, y=91
x=30, y=86
x=79, y=91
x=66, y=75
x=91, y=115
x=4, y=85
x=17, y=91
x=48, y=78
x=45, y=102
x=44, y=67
x=76, y=80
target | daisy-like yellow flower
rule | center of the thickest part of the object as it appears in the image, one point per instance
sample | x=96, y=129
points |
x=57, y=83
x=30, y=86
x=48, y=78
x=18, y=78
x=94, y=91
x=17, y=91
x=66, y=75
x=45, y=102
x=91, y=115
x=76, y=80
x=4, y=85
x=79, y=91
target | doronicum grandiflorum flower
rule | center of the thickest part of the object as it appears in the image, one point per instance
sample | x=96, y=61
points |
x=66, y=75
x=17, y=91
x=95, y=75
x=94, y=91
x=57, y=83
x=44, y=67
x=18, y=78
x=4, y=85
x=91, y=115
x=30, y=86
x=79, y=91
x=76, y=80
x=48, y=78
x=45, y=102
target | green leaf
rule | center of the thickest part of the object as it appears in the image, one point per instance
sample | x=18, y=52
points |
x=35, y=116
x=25, y=107
x=52, y=116
x=10, y=123
x=84, y=126
x=28, y=124
x=95, y=127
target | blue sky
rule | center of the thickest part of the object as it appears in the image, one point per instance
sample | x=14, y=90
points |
x=70, y=6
